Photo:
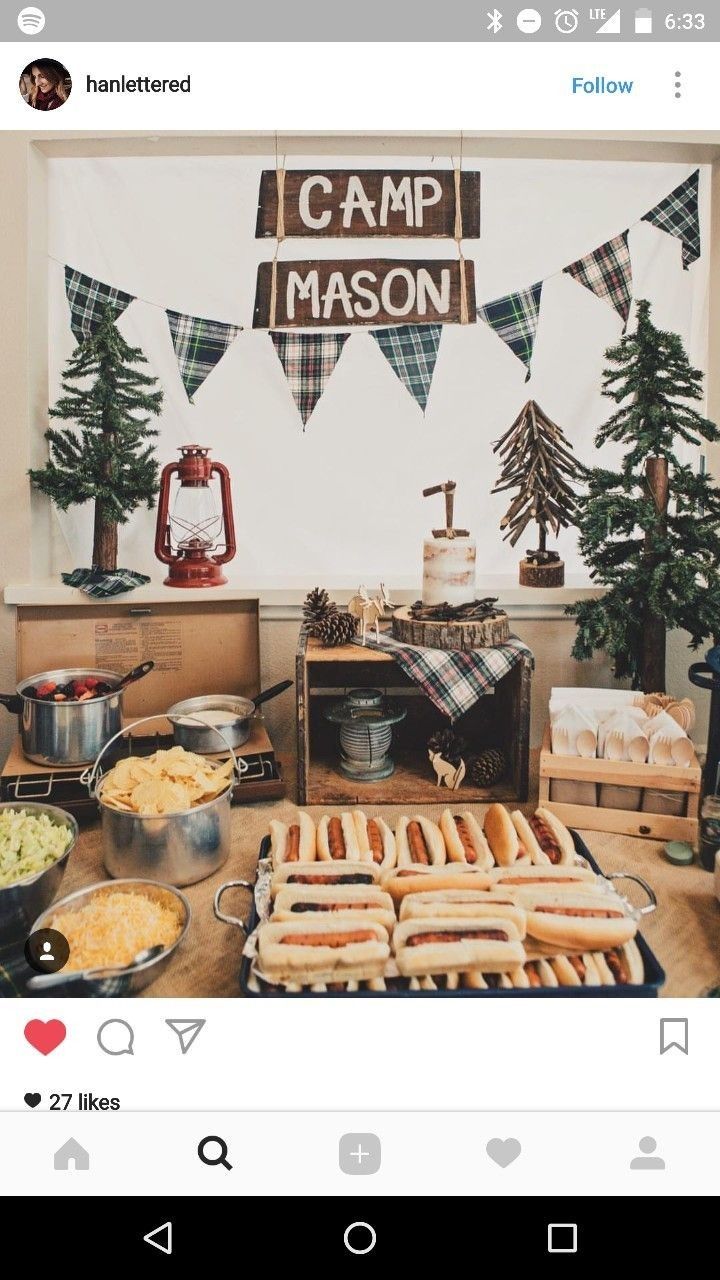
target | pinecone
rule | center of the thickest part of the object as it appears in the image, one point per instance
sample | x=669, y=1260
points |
x=488, y=767
x=317, y=607
x=336, y=629
x=451, y=745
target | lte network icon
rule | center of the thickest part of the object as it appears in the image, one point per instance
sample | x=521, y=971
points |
x=31, y=21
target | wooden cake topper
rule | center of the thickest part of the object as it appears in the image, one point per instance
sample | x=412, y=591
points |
x=449, y=490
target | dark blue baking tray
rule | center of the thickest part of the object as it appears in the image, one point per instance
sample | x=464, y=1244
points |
x=654, y=972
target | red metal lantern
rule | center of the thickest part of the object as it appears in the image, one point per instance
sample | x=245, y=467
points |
x=193, y=536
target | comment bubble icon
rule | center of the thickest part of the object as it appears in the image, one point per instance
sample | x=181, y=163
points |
x=116, y=1037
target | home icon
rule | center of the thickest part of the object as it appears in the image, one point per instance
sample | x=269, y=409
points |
x=71, y=1155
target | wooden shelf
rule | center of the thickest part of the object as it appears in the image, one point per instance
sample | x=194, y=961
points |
x=408, y=785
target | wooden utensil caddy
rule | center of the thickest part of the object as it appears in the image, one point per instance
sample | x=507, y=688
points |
x=325, y=675
x=630, y=822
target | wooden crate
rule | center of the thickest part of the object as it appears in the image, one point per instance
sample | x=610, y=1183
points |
x=651, y=826
x=324, y=675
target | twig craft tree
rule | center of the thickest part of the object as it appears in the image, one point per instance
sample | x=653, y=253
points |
x=106, y=455
x=650, y=532
x=538, y=462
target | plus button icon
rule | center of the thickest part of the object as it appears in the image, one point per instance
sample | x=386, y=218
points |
x=359, y=1153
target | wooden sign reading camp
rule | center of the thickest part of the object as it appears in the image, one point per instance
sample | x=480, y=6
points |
x=368, y=202
x=360, y=291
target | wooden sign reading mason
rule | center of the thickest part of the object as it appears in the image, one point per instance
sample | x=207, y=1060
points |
x=359, y=291
x=369, y=202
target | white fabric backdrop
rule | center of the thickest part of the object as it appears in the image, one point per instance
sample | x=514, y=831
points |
x=341, y=503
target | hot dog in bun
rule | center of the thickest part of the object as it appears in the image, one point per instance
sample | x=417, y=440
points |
x=303, y=902
x=545, y=837
x=562, y=922
x=419, y=842
x=505, y=844
x=336, y=839
x=463, y=904
x=547, y=877
x=295, y=842
x=491, y=944
x=464, y=839
x=417, y=879
x=375, y=840
x=310, y=951
x=317, y=874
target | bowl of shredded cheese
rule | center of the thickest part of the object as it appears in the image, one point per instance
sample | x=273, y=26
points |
x=36, y=841
x=108, y=924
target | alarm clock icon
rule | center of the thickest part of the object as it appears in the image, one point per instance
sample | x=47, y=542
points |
x=566, y=21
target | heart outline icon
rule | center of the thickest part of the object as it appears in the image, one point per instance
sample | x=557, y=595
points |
x=45, y=1036
x=503, y=1151
x=33, y=1100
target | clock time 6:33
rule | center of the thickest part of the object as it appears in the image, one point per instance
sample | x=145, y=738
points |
x=685, y=21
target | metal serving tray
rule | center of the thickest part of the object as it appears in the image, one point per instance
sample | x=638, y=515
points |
x=654, y=972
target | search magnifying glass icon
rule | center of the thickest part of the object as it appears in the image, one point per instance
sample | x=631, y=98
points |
x=214, y=1151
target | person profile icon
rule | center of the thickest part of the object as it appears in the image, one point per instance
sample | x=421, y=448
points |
x=647, y=1160
x=47, y=955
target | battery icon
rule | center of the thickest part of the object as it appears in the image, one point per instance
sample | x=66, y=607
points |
x=643, y=22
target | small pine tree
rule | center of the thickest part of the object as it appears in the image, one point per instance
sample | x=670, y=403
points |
x=105, y=457
x=538, y=462
x=650, y=532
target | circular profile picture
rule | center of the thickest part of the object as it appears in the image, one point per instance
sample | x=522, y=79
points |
x=45, y=84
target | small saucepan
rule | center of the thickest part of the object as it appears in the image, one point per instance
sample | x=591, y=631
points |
x=228, y=712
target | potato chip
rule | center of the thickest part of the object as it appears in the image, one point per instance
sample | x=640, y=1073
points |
x=172, y=781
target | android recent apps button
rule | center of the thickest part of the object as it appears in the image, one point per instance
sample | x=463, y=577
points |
x=601, y=85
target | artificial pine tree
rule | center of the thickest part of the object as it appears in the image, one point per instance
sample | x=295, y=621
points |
x=538, y=462
x=106, y=456
x=650, y=532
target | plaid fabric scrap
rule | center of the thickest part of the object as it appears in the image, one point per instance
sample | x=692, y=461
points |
x=607, y=272
x=452, y=680
x=199, y=345
x=678, y=214
x=515, y=320
x=88, y=298
x=412, y=351
x=308, y=360
x=102, y=585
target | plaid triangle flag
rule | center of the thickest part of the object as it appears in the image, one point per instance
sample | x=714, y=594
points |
x=678, y=214
x=607, y=272
x=308, y=359
x=199, y=345
x=412, y=352
x=88, y=298
x=515, y=320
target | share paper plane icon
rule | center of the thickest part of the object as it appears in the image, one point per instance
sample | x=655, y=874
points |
x=160, y=1238
x=187, y=1030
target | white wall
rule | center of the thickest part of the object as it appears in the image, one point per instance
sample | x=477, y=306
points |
x=341, y=502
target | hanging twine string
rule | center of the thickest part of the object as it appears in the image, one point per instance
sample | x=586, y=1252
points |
x=279, y=229
x=458, y=234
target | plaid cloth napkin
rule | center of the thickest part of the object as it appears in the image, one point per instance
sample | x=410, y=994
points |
x=88, y=298
x=199, y=345
x=412, y=351
x=452, y=680
x=678, y=215
x=99, y=584
x=308, y=359
x=607, y=272
x=515, y=320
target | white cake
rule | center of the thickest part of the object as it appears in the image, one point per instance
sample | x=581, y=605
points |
x=448, y=570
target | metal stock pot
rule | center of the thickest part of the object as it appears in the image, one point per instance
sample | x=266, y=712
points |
x=69, y=733
x=173, y=848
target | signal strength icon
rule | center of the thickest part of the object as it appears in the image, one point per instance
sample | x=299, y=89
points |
x=31, y=21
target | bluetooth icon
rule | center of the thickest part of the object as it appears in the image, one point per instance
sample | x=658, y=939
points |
x=494, y=21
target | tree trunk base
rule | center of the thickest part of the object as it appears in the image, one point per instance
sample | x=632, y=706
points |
x=487, y=633
x=542, y=575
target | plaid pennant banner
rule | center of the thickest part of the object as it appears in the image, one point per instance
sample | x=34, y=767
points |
x=308, y=359
x=412, y=351
x=199, y=345
x=678, y=214
x=88, y=298
x=607, y=272
x=515, y=320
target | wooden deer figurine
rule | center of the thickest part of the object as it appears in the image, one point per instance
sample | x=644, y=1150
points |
x=369, y=609
x=447, y=773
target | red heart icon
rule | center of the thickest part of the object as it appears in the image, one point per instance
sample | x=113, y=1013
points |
x=45, y=1036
